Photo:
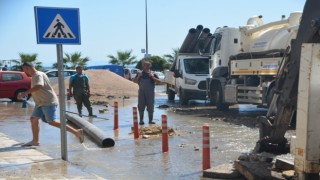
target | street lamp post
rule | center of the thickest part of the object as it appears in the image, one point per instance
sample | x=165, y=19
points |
x=146, y=6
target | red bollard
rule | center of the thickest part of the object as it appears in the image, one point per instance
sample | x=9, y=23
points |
x=206, y=147
x=135, y=123
x=115, y=115
x=165, y=147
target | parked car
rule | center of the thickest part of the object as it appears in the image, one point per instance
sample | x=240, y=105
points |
x=130, y=73
x=12, y=83
x=54, y=73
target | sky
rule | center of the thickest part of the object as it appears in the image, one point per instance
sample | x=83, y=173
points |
x=108, y=26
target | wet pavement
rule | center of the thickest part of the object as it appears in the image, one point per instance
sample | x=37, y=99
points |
x=18, y=162
x=129, y=158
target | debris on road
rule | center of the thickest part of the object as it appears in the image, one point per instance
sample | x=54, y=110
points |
x=163, y=106
x=264, y=166
x=102, y=103
x=153, y=131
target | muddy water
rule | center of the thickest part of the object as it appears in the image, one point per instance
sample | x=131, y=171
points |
x=142, y=158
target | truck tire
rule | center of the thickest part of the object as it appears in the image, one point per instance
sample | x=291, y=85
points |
x=183, y=98
x=213, y=96
x=171, y=94
x=219, y=99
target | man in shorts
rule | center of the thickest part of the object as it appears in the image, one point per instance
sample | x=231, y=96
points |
x=46, y=103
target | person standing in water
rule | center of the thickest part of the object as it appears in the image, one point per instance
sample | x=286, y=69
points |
x=146, y=81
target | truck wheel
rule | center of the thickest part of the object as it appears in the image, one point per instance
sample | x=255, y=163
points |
x=171, y=95
x=213, y=96
x=219, y=99
x=183, y=98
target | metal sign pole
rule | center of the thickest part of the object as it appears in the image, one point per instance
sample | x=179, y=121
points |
x=63, y=132
x=55, y=25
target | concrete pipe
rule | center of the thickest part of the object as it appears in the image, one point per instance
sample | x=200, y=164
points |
x=190, y=36
x=95, y=133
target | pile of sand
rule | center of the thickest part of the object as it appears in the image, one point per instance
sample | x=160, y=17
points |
x=105, y=85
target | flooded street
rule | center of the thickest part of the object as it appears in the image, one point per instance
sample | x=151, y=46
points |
x=143, y=158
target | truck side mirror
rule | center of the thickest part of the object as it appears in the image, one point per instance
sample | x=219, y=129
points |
x=176, y=74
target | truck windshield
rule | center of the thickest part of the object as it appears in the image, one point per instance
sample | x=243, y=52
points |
x=216, y=43
x=197, y=66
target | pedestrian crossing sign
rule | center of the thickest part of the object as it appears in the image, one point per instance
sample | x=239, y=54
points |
x=58, y=29
x=57, y=25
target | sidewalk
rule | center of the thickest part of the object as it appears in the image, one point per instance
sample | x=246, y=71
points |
x=18, y=162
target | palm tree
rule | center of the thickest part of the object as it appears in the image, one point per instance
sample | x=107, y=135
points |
x=171, y=57
x=123, y=58
x=31, y=58
x=65, y=64
x=75, y=60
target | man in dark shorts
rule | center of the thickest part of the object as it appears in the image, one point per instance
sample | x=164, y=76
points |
x=79, y=88
x=146, y=80
x=46, y=103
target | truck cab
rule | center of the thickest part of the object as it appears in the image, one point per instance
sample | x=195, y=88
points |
x=225, y=42
x=188, y=80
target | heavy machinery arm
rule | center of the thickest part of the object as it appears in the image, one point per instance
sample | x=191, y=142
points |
x=274, y=125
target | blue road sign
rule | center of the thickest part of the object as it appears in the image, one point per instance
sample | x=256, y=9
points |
x=57, y=25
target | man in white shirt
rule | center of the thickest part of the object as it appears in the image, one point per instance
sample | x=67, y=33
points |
x=46, y=103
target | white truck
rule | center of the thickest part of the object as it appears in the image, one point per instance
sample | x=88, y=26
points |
x=188, y=79
x=190, y=70
x=244, y=61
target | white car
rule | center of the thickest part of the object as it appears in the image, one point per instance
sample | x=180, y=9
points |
x=130, y=73
x=54, y=73
x=160, y=75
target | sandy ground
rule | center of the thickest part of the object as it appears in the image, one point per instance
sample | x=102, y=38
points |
x=105, y=86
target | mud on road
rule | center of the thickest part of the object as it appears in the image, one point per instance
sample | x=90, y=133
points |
x=244, y=115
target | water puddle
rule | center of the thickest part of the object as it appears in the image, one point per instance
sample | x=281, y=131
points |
x=143, y=158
